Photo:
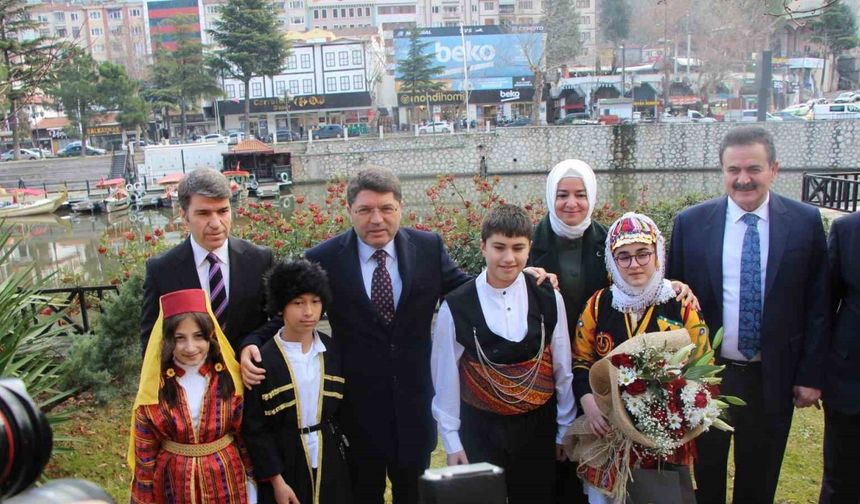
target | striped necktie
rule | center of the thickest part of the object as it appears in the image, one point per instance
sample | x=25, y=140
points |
x=217, y=290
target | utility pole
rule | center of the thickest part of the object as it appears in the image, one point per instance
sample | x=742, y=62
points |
x=465, y=73
x=665, y=55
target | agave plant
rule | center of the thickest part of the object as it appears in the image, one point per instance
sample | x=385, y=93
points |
x=28, y=336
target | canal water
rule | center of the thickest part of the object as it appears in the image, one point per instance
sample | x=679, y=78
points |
x=66, y=247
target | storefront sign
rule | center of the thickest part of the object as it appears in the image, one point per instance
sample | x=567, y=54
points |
x=684, y=100
x=437, y=98
x=104, y=130
x=297, y=104
x=524, y=81
x=502, y=95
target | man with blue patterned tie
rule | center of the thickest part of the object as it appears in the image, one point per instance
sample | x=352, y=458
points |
x=228, y=268
x=757, y=262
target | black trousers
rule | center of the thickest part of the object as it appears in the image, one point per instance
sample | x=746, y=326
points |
x=368, y=480
x=523, y=445
x=840, y=484
x=759, y=438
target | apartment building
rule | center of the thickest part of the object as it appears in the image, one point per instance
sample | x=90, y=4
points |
x=109, y=31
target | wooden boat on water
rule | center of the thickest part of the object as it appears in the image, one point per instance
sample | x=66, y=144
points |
x=117, y=199
x=238, y=183
x=18, y=207
x=170, y=183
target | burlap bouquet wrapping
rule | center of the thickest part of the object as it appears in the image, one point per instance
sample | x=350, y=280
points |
x=612, y=453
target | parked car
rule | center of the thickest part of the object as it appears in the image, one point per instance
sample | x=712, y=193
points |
x=435, y=127
x=235, y=137
x=522, y=121
x=787, y=116
x=573, y=118
x=328, y=131
x=835, y=111
x=74, y=149
x=215, y=137
x=22, y=154
x=285, y=135
x=847, y=97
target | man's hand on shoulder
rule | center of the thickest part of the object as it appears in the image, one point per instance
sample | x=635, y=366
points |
x=541, y=274
x=251, y=374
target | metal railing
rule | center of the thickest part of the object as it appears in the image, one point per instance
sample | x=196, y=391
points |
x=77, y=297
x=837, y=191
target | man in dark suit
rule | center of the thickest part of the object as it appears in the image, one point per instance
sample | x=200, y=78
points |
x=841, y=394
x=757, y=262
x=385, y=282
x=210, y=259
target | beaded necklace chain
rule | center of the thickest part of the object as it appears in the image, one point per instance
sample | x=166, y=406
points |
x=526, y=380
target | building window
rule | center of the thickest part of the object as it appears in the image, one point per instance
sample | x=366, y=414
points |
x=138, y=48
x=344, y=83
x=586, y=36
x=351, y=12
x=489, y=6
x=115, y=14
x=306, y=60
x=242, y=91
x=474, y=8
x=291, y=62
x=297, y=4
x=95, y=15
x=329, y=59
x=294, y=87
x=525, y=4
x=356, y=57
x=280, y=88
x=41, y=18
x=60, y=32
x=343, y=58
x=316, y=14
x=324, y=14
x=297, y=20
x=367, y=11
x=76, y=32
x=307, y=86
x=586, y=20
x=357, y=82
x=583, y=4
x=99, y=48
x=435, y=9
x=116, y=31
x=334, y=13
x=134, y=12
x=256, y=89
x=136, y=30
x=59, y=17
x=96, y=32
x=212, y=9
x=330, y=84
x=343, y=13
x=44, y=32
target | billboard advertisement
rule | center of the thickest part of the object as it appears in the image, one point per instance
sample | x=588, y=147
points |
x=490, y=52
x=163, y=17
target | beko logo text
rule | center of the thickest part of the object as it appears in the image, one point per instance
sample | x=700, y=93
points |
x=472, y=52
x=509, y=95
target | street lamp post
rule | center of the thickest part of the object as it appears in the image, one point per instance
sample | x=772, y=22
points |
x=287, y=99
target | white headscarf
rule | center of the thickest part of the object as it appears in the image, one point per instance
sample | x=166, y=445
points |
x=570, y=168
x=658, y=290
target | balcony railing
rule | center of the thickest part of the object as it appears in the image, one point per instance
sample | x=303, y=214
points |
x=837, y=191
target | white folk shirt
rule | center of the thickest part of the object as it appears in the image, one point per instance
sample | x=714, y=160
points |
x=368, y=264
x=506, y=313
x=202, y=264
x=733, y=243
x=306, y=373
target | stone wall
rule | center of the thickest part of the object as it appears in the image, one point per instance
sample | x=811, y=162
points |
x=663, y=158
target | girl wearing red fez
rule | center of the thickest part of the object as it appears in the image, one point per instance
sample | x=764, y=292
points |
x=185, y=445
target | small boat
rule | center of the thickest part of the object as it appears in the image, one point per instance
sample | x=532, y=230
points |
x=170, y=183
x=117, y=199
x=44, y=205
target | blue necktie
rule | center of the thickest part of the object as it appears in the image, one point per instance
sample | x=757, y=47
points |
x=749, y=319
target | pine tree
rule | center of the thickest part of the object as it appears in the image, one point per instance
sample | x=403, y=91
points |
x=417, y=71
x=76, y=90
x=25, y=62
x=250, y=44
x=614, y=21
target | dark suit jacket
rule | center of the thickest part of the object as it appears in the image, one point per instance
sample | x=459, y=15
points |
x=175, y=270
x=842, y=370
x=544, y=254
x=386, y=409
x=794, y=318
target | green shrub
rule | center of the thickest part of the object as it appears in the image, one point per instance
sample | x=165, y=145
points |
x=108, y=360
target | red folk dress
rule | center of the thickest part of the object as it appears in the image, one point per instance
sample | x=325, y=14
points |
x=164, y=477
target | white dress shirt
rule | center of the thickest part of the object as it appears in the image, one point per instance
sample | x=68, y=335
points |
x=506, y=313
x=194, y=385
x=368, y=264
x=202, y=264
x=306, y=373
x=733, y=241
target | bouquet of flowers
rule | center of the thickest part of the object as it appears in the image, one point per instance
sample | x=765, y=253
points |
x=656, y=398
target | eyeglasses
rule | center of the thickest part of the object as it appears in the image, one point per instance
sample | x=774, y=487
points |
x=626, y=260
x=384, y=210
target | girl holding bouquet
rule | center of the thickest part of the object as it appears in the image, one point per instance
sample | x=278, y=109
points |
x=640, y=300
x=185, y=445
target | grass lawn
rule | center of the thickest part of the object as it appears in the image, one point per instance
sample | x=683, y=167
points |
x=99, y=454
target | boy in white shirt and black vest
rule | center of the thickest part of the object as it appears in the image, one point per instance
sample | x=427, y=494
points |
x=501, y=365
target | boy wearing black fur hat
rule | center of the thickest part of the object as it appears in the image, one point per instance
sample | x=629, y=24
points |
x=289, y=424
